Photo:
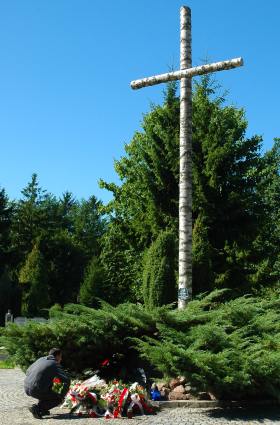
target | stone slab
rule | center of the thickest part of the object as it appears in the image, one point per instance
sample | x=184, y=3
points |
x=206, y=404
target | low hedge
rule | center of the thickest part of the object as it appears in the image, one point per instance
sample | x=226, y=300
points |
x=230, y=348
x=87, y=336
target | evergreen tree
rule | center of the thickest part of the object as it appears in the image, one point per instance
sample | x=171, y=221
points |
x=228, y=206
x=32, y=277
x=147, y=200
x=93, y=287
x=266, y=267
x=10, y=296
x=68, y=233
x=88, y=225
x=225, y=183
x=29, y=219
x=121, y=265
x=5, y=230
x=159, y=278
x=65, y=266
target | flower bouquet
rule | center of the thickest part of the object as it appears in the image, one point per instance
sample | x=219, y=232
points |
x=126, y=401
x=114, y=400
x=138, y=401
x=84, y=400
x=57, y=386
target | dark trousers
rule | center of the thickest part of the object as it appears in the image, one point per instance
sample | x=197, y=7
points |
x=46, y=401
x=49, y=402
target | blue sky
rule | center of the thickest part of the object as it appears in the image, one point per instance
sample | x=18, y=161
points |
x=66, y=107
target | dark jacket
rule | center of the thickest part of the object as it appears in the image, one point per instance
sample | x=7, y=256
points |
x=39, y=377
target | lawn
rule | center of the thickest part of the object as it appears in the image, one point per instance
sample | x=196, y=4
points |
x=5, y=363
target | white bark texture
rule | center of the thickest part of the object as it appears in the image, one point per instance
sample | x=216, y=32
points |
x=185, y=75
x=185, y=182
x=191, y=72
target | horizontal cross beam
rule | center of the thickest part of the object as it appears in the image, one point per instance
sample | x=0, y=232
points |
x=189, y=72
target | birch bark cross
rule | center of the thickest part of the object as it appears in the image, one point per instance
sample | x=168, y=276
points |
x=185, y=75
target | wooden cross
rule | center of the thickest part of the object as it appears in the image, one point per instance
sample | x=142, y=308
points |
x=185, y=75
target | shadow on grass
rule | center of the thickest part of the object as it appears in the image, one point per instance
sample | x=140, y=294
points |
x=259, y=414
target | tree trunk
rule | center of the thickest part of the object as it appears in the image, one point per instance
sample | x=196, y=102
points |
x=185, y=183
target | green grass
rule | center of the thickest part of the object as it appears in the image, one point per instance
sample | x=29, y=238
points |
x=6, y=364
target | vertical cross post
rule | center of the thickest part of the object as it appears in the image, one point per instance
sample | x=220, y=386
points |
x=185, y=181
x=185, y=75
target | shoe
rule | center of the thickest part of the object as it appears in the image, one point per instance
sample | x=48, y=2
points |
x=35, y=411
x=45, y=412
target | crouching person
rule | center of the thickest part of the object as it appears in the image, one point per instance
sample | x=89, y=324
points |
x=46, y=381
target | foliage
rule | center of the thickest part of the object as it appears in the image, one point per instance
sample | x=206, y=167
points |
x=159, y=279
x=66, y=233
x=89, y=225
x=65, y=261
x=92, y=287
x=32, y=277
x=30, y=217
x=234, y=186
x=266, y=245
x=86, y=336
x=236, y=215
x=121, y=263
x=230, y=348
x=6, y=364
x=10, y=296
x=147, y=200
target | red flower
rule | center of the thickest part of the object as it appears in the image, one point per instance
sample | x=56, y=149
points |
x=56, y=381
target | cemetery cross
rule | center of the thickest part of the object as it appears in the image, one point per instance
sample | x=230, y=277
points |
x=185, y=75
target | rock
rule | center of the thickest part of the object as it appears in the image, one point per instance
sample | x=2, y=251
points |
x=203, y=396
x=161, y=385
x=179, y=389
x=165, y=390
x=212, y=397
x=182, y=380
x=178, y=396
x=175, y=382
x=165, y=393
x=188, y=388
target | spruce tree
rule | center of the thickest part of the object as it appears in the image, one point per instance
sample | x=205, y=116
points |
x=228, y=207
x=159, y=278
x=6, y=211
x=93, y=286
x=121, y=263
x=32, y=277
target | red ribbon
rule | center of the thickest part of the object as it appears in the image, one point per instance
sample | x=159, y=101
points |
x=124, y=394
x=145, y=406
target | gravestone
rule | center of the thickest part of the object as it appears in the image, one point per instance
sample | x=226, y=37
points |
x=38, y=319
x=20, y=320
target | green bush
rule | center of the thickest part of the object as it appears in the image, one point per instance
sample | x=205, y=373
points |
x=86, y=336
x=228, y=347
